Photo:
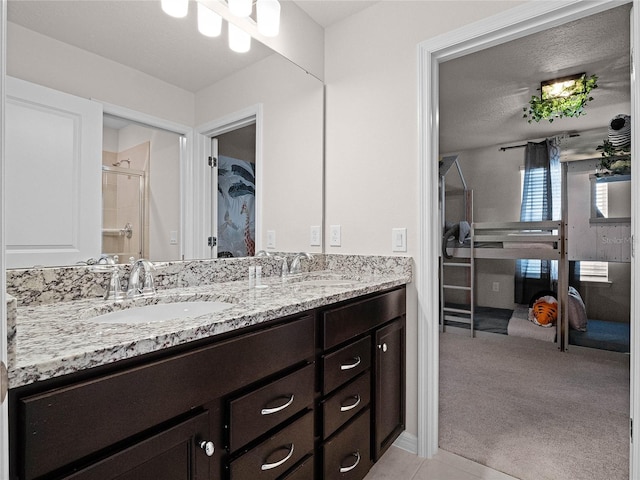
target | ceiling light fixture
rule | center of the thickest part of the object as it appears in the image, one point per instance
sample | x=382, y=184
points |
x=561, y=98
x=210, y=19
x=239, y=40
x=563, y=87
x=209, y=22
x=240, y=8
x=268, y=17
x=175, y=8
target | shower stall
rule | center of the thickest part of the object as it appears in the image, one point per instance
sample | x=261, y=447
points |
x=123, y=211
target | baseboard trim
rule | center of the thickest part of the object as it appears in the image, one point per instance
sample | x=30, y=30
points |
x=408, y=442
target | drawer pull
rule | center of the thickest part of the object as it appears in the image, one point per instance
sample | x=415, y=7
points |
x=351, y=467
x=346, y=408
x=269, y=411
x=357, y=362
x=269, y=466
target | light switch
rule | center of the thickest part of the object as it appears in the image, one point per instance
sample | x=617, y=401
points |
x=398, y=239
x=315, y=238
x=271, y=239
x=173, y=237
x=334, y=235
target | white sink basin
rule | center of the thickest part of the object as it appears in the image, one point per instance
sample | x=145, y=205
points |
x=162, y=311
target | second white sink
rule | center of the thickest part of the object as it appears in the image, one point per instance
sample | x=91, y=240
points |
x=162, y=311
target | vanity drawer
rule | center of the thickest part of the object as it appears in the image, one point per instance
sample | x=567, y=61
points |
x=260, y=410
x=344, y=364
x=304, y=471
x=273, y=457
x=345, y=404
x=347, y=455
x=155, y=393
x=342, y=323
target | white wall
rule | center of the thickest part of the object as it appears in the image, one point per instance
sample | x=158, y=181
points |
x=42, y=60
x=164, y=190
x=372, y=134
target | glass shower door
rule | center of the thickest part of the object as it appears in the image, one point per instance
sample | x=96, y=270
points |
x=123, y=222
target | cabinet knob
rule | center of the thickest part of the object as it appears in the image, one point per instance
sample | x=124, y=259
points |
x=208, y=447
x=383, y=347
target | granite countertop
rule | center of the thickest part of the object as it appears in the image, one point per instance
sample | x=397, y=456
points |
x=62, y=338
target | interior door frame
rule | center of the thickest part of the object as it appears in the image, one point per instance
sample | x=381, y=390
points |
x=204, y=134
x=526, y=19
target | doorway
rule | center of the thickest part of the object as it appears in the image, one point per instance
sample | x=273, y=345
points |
x=516, y=23
x=235, y=183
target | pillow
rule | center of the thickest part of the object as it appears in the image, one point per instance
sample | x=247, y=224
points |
x=577, y=311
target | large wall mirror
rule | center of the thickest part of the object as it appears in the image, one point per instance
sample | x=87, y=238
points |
x=128, y=56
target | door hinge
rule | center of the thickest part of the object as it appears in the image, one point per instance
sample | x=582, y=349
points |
x=213, y=162
x=212, y=241
x=631, y=429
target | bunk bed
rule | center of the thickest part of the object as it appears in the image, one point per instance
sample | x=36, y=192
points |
x=547, y=240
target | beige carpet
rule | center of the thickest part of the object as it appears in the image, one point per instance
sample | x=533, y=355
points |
x=520, y=406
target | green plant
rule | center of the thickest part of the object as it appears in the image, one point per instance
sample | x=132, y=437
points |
x=615, y=159
x=570, y=103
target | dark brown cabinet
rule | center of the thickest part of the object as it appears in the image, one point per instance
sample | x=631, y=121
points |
x=363, y=409
x=389, y=385
x=316, y=396
x=181, y=453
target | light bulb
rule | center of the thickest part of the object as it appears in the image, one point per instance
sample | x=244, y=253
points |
x=240, y=8
x=209, y=22
x=239, y=40
x=268, y=17
x=175, y=8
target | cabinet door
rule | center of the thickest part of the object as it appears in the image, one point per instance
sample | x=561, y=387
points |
x=389, y=385
x=173, y=453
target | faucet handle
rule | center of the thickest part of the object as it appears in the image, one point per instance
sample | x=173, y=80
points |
x=148, y=286
x=115, y=288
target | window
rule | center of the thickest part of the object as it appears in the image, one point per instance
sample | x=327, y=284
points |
x=594, y=271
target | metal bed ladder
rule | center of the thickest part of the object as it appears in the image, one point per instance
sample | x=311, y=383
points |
x=460, y=315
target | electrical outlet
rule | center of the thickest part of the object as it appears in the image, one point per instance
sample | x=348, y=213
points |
x=334, y=235
x=496, y=286
x=173, y=237
x=315, y=239
x=271, y=239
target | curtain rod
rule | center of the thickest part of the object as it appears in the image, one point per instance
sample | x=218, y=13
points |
x=571, y=135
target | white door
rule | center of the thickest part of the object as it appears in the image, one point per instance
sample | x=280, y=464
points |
x=53, y=158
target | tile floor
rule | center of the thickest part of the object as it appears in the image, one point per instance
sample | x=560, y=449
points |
x=397, y=464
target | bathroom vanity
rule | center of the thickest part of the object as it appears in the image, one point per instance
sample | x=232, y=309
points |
x=317, y=393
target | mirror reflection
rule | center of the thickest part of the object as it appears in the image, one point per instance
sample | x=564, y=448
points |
x=140, y=191
x=84, y=49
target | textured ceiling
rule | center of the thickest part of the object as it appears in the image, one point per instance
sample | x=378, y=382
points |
x=482, y=95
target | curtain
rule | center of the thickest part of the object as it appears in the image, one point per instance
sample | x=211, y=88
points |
x=540, y=201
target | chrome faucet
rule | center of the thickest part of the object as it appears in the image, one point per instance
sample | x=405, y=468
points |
x=141, y=284
x=295, y=263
